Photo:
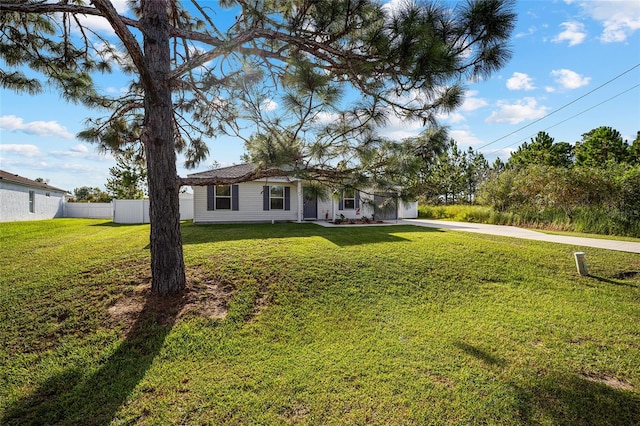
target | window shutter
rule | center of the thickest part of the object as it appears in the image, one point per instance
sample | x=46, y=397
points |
x=341, y=202
x=211, y=197
x=265, y=197
x=287, y=198
x=357, y=199
x=235, y=202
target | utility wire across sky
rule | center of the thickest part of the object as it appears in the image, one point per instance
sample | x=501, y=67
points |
x=569, y=118
x=559, y=109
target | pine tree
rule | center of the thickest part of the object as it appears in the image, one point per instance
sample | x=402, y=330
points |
x=194, y=79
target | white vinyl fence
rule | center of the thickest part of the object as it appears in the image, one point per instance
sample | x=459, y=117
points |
x=124, y=211
x=88, y=210
x=131, y=211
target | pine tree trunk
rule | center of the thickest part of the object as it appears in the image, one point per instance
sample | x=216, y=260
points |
x=167, y=261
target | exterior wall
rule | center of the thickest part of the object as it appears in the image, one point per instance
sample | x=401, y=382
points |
x=326, y=209
x=250, y=205
x=14, y=203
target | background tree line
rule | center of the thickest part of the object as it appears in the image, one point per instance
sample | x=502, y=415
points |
x=592, y=185
x=127, y=181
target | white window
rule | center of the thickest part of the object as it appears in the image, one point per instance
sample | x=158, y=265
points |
x=223, y=197
x=276, y=197
x=349, y=199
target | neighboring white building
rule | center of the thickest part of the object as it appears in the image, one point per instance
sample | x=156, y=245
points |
x=25, y=199
x=284, y=199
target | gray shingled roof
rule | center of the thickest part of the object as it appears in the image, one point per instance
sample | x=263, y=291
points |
x=11, y=177
x=230, y=172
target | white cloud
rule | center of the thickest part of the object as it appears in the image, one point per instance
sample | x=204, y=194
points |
x=619, y=18
x=520, y=81
x=81, y=151
x=325, y=117
x=268, y=105
x=77, y=167
x=524, y=109
x=24, y=150
x=472, y=103
x=507, y=151
x=464, y=137
x=530, y=31
x=573, y=33
x=392, y=7
x=118, y=91
x=453, y=117
x=80, y=148
x=74, y=153
x=397, y=129
x=569, y=79
x=40, y=128
x=549, y=89
x=99, y=24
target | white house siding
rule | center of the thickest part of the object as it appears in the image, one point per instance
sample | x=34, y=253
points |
x=14, y=204
x=250, y=199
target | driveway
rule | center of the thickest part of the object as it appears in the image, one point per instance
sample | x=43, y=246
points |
x=515, y=232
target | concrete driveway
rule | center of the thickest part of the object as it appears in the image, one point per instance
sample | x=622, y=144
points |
x=515, y=232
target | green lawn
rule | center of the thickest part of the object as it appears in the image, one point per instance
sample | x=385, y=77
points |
x=362, y=325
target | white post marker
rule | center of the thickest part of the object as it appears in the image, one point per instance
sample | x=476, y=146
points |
x=581, y=263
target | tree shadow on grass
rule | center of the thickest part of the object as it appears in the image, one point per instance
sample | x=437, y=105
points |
x=609, y=281
x=340, y=236
x=577, y=400
x=77, y=396
x=481, y=354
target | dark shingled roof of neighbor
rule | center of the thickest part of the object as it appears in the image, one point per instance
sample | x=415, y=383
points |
x=12, y=177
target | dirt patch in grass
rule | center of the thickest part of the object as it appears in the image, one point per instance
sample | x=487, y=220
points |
x=203, y=297
x=612, y=382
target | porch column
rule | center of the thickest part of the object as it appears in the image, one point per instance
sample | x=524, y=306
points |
x=300, y=202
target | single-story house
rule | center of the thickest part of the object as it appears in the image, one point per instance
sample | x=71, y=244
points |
x=26, y=199
x=286, y=199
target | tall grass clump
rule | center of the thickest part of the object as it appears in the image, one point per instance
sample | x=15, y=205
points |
x=584, y=220
x=460, y=213
x=581, y=199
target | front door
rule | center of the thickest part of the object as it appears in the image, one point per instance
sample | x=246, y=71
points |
x=309, y=203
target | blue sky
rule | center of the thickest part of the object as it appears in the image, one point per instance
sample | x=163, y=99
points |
x=562, y=51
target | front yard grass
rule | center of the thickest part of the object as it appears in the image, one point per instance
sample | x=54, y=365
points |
x=300, y=324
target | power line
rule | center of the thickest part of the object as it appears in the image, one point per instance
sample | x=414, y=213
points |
x=573, y=116
x=561, y=108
